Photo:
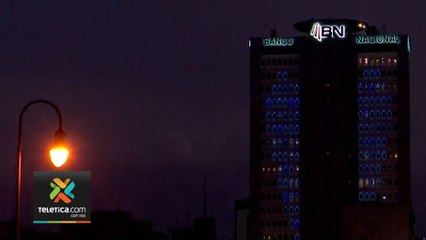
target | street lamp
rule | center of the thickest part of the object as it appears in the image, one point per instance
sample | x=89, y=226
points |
x=58, y=155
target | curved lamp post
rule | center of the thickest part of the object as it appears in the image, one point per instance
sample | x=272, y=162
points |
x=58, y=155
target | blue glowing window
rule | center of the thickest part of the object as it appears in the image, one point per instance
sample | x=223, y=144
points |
x=372, y=87
x=285, y=156
x=297, y=223
x=267, y=102
x=285, y=197
x=377, y=74
x=365, y=74
x=360, y=87
x=296, y=102
x=282, y=75
x=361, y=196
x=280, y=142
x=297, y=236
x=280, y=129
x=285, y=183
x=280, y=183
x=268, y=115
x=291, y=183
x=274, y=156
x=285, y=129
x=290, y=103
x=296, y=210
x=274, y=116
x=372, y=73
x=291, y=210
x=285, y=169
x=296, y=88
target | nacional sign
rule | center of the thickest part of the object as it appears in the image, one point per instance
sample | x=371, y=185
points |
x=321, y=32
x=278, y=42
x=377, y=39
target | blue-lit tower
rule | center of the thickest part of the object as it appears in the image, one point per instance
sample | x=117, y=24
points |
x=329, y=134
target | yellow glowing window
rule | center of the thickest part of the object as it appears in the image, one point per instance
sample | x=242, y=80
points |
x=361, y=183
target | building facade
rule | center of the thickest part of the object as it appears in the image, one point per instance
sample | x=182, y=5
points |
x=329, y=133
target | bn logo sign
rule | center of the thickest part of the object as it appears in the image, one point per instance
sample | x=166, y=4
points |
x=320, y=32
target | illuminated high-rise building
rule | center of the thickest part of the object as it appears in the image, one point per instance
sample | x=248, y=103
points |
x=329, y=134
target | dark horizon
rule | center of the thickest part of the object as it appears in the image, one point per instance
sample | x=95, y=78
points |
x=155, y=97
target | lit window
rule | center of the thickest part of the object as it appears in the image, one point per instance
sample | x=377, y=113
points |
x=285, y=197
x=366, y=74
x=291, y=183
x=361, y=196
x=361, y=183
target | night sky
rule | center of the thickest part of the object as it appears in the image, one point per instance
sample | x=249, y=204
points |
x=155, y=96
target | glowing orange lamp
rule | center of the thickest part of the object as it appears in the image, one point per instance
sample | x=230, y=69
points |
x=59, y=152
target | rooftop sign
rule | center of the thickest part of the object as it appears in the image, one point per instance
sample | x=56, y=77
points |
x=377, y=39
x=321, y=32
x=278, y=42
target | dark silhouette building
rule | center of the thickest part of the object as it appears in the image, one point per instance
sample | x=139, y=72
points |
x=111, y=225
x=329, y=134
x=241, y=217
x=203, y=228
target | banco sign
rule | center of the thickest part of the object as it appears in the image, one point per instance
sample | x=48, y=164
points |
x=321, y=32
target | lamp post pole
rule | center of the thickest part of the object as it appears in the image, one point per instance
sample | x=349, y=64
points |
x=19, y=162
